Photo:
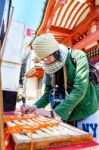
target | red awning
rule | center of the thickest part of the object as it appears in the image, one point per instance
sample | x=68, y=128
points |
x=35, y=72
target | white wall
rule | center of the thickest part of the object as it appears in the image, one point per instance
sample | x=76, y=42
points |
x=12, y=57
x=31, y=88
x=10, y=74
x=30, y=64
x=13, y=48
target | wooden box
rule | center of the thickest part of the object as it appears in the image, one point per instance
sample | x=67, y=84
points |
x=46, y=136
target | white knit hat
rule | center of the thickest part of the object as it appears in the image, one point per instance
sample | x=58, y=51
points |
x=44, y=45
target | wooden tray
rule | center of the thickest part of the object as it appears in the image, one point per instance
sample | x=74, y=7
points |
x=61, y=134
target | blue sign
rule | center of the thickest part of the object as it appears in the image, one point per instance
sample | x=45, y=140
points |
x=93, y=126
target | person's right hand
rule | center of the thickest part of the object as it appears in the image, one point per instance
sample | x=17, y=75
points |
x=27, y=108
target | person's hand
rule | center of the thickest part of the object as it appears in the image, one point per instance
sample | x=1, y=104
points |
x=55, y=116
x=28, y=108
x=42, y=112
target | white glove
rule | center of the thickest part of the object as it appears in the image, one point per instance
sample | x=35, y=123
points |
x=28, y=108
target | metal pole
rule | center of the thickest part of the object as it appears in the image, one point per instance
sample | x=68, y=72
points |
x=1, y=115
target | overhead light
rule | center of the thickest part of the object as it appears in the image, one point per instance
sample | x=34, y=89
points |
x=81, y=1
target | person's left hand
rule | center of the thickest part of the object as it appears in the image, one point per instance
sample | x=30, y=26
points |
x=42, y=112
x=56, y=117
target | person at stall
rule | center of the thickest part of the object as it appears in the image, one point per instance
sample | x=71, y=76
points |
x=69, y=74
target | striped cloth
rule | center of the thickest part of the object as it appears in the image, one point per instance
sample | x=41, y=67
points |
x=57, y=65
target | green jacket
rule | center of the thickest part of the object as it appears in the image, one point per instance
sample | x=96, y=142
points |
x=83, y=98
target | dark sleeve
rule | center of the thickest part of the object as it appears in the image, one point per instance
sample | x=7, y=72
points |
x=47, y=79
